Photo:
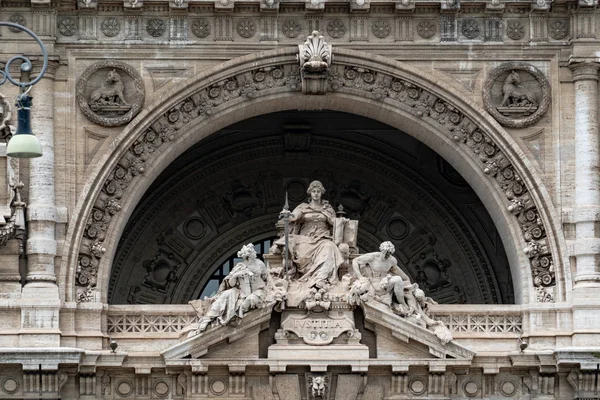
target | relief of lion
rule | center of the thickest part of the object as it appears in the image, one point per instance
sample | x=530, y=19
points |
x=110, y=93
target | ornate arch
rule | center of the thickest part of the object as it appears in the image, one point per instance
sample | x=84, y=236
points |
x=358, y=82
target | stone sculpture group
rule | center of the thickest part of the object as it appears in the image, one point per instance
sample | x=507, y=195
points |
x=309, y=280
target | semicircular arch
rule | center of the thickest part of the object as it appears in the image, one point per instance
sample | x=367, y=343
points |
x=388, y=91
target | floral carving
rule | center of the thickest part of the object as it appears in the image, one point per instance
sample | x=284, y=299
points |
x=67, y=26
x=290, y=28
x=515, y=30
x=110, y=27
x=17, y=19
x=558, y=30
x=381, y=29
x=246, y=28
x=426, y=29
x=201, y=28
x=336, y=28
x=377, y=85
x=155, y=27
x=470, y=28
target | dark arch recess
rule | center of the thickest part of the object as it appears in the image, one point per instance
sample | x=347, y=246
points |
x=227, y=190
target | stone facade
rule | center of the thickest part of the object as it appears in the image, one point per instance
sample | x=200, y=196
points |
x=465, y=132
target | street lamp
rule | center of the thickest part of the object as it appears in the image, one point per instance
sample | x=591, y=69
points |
x=23, y=144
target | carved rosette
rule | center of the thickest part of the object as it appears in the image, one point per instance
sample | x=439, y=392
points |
x=350, y=79
x=315, y=59
x=516, y=94
x=110, y=93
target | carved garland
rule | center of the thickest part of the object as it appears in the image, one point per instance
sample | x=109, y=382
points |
x=342, y=78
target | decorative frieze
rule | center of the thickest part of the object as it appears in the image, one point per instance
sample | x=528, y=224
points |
x=539, y=27
x=421, y=102
x=44, y=22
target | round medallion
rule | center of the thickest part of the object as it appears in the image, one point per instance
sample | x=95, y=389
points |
x=290, y=28
x=426, y=29
x=336, y=28
x=124, y=388
x=508, y=388
x=161, y=388
x=558, y=30
x=381, y=29
x=67, y=26
x=470, y=28
x=516, y=94
x=16, y=19
x=201, y=28
x=417, y=386
x=515, y=30
x=246, y=28
x=194, y=228
x=398, y=228
x=471, y=388
x=218, y=386
x=10, y=385
x=110, y=93
x=296, y=190
x=110, y=27
x=155, y=27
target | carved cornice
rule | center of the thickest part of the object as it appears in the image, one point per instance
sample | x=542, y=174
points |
x=384, y=85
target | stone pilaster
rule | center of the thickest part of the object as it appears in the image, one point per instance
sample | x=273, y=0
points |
x=40, y=299
x=587, y=176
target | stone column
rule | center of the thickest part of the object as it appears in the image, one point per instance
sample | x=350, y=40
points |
x=587, y=175
x=40, y=298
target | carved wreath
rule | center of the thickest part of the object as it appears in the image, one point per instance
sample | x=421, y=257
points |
x=492, y=104
x=112, y=93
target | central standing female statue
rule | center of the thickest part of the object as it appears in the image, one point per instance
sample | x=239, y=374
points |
x=314, y=253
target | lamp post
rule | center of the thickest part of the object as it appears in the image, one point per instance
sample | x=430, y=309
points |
x=23, y=144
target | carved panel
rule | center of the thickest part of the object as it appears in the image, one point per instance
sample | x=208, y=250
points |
x=516, y=94
x=110, y=93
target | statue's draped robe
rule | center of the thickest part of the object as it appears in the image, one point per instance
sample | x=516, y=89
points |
x=314, y=253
